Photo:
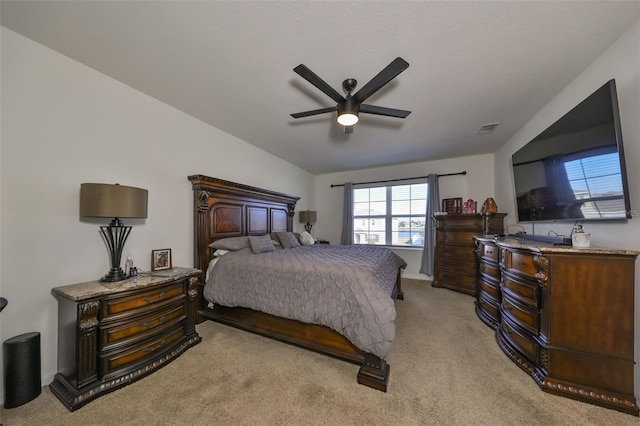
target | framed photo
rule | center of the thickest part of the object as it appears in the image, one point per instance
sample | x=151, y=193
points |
x=160, y=259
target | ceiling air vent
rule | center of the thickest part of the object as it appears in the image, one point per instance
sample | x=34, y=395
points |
x=487, y=128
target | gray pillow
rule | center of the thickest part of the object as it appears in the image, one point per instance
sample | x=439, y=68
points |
x=288, y=239
x=231, y=243
x=261, y=244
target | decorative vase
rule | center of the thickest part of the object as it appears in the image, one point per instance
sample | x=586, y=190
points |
x=489, y=206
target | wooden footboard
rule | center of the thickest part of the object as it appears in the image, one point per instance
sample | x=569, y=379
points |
x=373, y=372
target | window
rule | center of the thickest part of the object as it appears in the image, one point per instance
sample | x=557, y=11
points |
x=390, y=215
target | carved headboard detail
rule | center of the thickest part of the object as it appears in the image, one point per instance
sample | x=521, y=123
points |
x=228, y=209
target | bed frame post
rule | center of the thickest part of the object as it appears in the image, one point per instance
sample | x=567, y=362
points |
x=374, y=372
x=399, y=293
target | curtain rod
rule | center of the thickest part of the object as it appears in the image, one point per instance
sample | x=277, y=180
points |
x=395, y=180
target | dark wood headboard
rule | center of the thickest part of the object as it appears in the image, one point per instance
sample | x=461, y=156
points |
x=227, y=209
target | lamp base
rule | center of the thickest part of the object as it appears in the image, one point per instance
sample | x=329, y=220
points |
x=115, y=274
x=115, y=235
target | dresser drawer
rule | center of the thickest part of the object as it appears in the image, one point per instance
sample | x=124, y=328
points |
x=457, y=251
x=120, y=334
x=456, y=264
x=520, y=263
x=490, y=269
x=522, y=290
x=141, y=302
x=459, y=279
x=460, y=223
x=460, y=238
x=488, y=252
x=520, y=341
x=525, y=317
x=489, y=306
x=115, y=362
x=489, y=288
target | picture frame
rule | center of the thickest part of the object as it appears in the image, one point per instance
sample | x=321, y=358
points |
x=160, y=259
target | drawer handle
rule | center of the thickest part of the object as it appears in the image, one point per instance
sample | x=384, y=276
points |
x=489, y=251
x=160, y=296
x=154, y=347
x=149, y=326
x=482, y=267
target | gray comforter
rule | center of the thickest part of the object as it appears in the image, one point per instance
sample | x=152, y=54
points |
x=346, y=288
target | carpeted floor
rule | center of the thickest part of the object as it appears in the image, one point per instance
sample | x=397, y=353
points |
x=446, y=369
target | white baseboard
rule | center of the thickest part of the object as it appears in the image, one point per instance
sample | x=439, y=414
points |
x=421, y=277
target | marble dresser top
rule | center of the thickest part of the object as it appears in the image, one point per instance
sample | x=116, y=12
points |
x=96, y=289
x=552, y=248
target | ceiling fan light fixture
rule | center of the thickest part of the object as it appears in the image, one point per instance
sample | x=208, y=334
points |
x=347, y=118
x=348, y=112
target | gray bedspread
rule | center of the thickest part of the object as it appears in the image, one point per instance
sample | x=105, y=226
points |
x=346, y=288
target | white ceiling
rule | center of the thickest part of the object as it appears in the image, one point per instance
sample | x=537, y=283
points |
x=230, y=64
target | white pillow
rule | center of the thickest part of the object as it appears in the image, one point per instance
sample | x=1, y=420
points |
x=306, y=239
x=220, y=252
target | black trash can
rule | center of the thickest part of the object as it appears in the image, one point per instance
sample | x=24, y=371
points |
x=21, y=356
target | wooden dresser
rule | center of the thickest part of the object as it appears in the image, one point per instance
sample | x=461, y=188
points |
x=488, y=281
x=456, y=265
x=112, y=334
x=567, y=318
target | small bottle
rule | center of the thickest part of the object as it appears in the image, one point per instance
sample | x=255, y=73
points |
x=128, y=266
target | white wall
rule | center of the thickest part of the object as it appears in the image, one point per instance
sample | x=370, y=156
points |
x=621, y=62
x=64, y=124
x=477, y=184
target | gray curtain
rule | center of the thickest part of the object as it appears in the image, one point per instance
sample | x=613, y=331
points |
x=433, y=205
x=347, y=215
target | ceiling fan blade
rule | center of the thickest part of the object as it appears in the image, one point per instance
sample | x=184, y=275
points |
x=390, y=112
x=386, y=75
x=314, y=112
x=312, y=78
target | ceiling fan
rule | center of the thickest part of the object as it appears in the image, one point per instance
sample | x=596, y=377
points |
x=350, y=106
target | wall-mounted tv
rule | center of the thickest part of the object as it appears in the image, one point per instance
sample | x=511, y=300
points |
x=575, y=170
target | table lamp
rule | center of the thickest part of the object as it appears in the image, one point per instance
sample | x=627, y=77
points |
x=116, y=202
x=308, y=217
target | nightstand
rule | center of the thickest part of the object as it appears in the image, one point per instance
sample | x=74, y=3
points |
x=111, y=334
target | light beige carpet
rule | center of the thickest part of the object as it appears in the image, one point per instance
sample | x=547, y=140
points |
x=446, y=369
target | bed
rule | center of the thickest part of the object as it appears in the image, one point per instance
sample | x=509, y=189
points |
x=225, y=210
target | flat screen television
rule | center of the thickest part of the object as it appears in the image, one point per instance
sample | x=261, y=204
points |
x=575, y=170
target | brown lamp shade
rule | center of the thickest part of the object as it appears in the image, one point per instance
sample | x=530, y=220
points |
x=308, y=216
x=112, y=201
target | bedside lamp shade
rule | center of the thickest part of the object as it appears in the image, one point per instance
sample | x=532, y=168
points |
x=308, y=217
x=115, y=202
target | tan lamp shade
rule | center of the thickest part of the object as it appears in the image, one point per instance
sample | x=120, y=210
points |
x=308, y=216
x=112, y=201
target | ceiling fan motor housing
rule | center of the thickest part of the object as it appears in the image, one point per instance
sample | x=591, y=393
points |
x=348, y=106
x=348, y=85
